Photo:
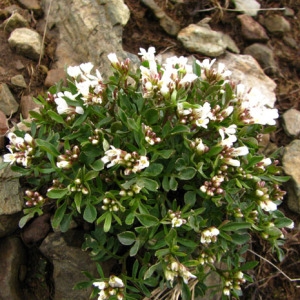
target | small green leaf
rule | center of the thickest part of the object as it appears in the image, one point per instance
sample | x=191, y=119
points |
x=57, y=193
x=190, y=198
x=173, y=184
x=187, y=173
x=56, y=117
x=90, y=175
x=151, y=270
x=180, y=129
x=47, y=147
x=249, y=265
x=77, y=201
x=97, y=165
x=65, y=222
x=233, y=226
x=147, y=220
x=153, y=170
x=90, y=213
x=148, y=183
x=135, y=248
x=127, y=238
x=282, y=222
x=152, y=116
x=59, y=214
x=107, y=222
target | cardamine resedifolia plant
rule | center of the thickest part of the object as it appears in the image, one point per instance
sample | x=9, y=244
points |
x=165, y=162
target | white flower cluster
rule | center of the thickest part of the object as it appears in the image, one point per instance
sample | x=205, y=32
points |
x=63, y=107
x=209, y=235
x=176, y=219
x=174, y=74
x=132, y=161
x=89, y=86
x=21, y=149
x=252, y=109
x=175, y=269
x=234, y=283
x=113, y=287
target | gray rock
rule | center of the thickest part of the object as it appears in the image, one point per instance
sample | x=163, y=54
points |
x=13, y=22
x=3, y=128
x=204, y=40
x=118, y=12
x=9, y=224
x=18, y=81
x=265, y=57
x=8, y=103
x=250, y=7
x=11, y=201
x=169, y=25
x=251, y=30
x=245, y=69
x=64, y=252
x=26, y=42
x=12, y=257
x=88, y=31
x=291, y=120
x=290, y=162
x=291, y=42
x=277, y=24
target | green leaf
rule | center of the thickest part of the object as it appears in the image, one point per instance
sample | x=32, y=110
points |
x=214, y=151
x=65, y=222
x=180, y=129
x=77, y=201
x=147, y=220
x=171, y=237
x=233, y=226
x=165, y=153
x=47, y=147
x=185, y=292
x=59, y=214
x=187, y=173
x=282, y=222
x=90, y=213
x=190, y=198
x=152, y=116
x=107, y=222
x=248, y=265
x=90, y=175
x=97, y=165
x=149, y=184
x=57, y=193
x=173, y=184
x=240, y=239
x=153, y=170
x=127, y=238
x=56, y=117
x=135, y=248
x=151, y=270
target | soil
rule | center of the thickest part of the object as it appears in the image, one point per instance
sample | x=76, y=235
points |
x=143, y=30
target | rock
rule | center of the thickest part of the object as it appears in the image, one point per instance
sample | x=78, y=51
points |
x=264, y=56
x=9, y=224
x=117, y=11
x=19, y=81
x=79, y=21
x=15, y=21
x=277, y=24
x=64, y=252
x=251, y=30
x=26, y=42
x=8, y=103
x=204, y=40
x=290, y=162
x=169, y=25
x=11, y=201
x=36, y=230
x=288, y=12
x=27, y=104
x=291, y=120
x=54, y=76
x=250, y=7
x=245, y=69
x=12, y=257
x=3, y=128
x=4, y=14
x=32, y=5
x=291, y=42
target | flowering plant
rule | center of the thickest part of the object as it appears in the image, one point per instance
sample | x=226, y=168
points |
x=165, y=162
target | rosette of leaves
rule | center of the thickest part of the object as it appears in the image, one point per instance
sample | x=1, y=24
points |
x=165, y=163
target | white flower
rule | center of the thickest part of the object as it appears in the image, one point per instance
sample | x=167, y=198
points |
x=101, y=285
x=64, y=164
x=240, y=151
x=9, y=157
x=206, y=63
x=268, y=205
x=232, y=162
x=291, y=225
x=113, y=58
x=150, y=57
x=86, y=67
x=115, y=282
x=266, y=161
x=188, y=78
x=228, y=142
x=202, y=115
x=176, y=222
x=231, y=130
x=74, y=71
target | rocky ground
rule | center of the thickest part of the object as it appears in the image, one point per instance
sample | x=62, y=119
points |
x=145, y=29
